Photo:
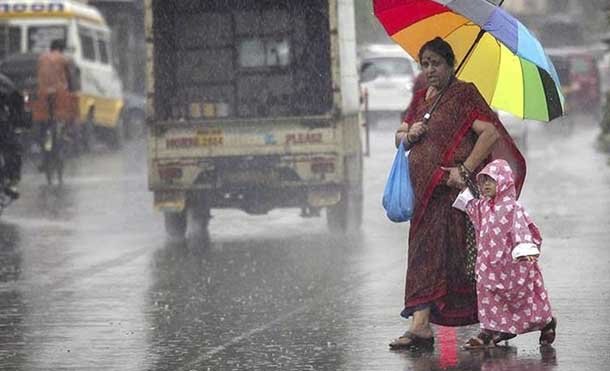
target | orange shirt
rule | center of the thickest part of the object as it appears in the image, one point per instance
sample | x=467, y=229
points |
x=52, y=73
x=53, y=78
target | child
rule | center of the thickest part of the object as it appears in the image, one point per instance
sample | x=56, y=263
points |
x=511, y=296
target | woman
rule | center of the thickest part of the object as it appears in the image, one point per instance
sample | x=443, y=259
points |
x=460, y=137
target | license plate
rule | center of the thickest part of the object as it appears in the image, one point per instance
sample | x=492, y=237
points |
x=249, y=177
x=210, y=137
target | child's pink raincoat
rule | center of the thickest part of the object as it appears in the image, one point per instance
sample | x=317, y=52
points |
x=510, y=294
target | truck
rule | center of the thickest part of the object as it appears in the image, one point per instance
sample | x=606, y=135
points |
x=253, y=105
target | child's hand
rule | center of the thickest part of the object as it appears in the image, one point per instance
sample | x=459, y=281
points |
x=529, y=258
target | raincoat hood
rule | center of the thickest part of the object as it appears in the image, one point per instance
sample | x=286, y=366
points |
x=500, y=171
x=502, y=217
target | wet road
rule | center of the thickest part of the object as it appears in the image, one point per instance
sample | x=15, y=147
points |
x=88, y=280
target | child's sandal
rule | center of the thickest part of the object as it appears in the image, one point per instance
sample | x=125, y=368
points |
x=499, y=337
x=483, y=340
x=547, y=334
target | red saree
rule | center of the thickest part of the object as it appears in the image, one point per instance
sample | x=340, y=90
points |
x=436, y=270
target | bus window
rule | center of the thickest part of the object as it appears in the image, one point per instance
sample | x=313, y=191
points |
x=14, y=40
x=87, y=46
x=102, y=46
x=10, y=41
x=40, y=37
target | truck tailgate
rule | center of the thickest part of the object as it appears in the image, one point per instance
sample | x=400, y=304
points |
x=195, y=141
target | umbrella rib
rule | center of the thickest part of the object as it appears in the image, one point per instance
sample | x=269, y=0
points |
x=457, y=28
x=521, y=61
x=499, y=65
x=469, y=52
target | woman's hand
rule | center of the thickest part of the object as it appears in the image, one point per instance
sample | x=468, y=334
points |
x=455, y=178
x=402, y=133
x=417, y=131
x=410, y=134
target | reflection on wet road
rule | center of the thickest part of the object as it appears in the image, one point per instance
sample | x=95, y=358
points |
x=88, y=280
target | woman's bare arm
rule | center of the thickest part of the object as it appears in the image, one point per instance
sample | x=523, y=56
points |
x=488, y=136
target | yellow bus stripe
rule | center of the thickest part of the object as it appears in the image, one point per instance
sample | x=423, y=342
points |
x=67, y=15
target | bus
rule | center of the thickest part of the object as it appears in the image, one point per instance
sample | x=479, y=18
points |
x=27, y=28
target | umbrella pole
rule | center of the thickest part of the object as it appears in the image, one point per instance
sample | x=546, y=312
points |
x=474, y=44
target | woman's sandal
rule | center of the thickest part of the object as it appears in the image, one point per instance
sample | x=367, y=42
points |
x=414, y=341
x=483, y=340
x=547, y=334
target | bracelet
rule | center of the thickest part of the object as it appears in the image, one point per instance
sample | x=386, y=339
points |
x=464, y=173
x=467, y=178
x=464, y=169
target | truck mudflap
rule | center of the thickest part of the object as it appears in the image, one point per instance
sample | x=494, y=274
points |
x=170, y=201
x=324, y=197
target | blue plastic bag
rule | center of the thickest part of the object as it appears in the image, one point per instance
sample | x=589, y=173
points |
x=398, y=199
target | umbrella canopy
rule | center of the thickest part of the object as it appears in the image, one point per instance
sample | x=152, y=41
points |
x=492, y=48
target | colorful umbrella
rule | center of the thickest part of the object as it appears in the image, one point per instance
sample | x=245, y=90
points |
x=492, y=48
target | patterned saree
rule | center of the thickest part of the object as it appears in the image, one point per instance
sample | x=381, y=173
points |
x=437, y=273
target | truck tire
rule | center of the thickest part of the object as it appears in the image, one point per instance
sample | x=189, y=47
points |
x=346, y=216
x=116, y=135
x=175, y=224
x=201, y=217
x=88, y=133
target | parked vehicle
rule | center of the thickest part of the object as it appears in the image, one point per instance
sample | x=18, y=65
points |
x=254, y=107
x=134, y=116
x=29, y=26
x=578, y=72
x=387, y=74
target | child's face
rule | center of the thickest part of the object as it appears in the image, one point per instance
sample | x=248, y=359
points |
x=488, y=186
